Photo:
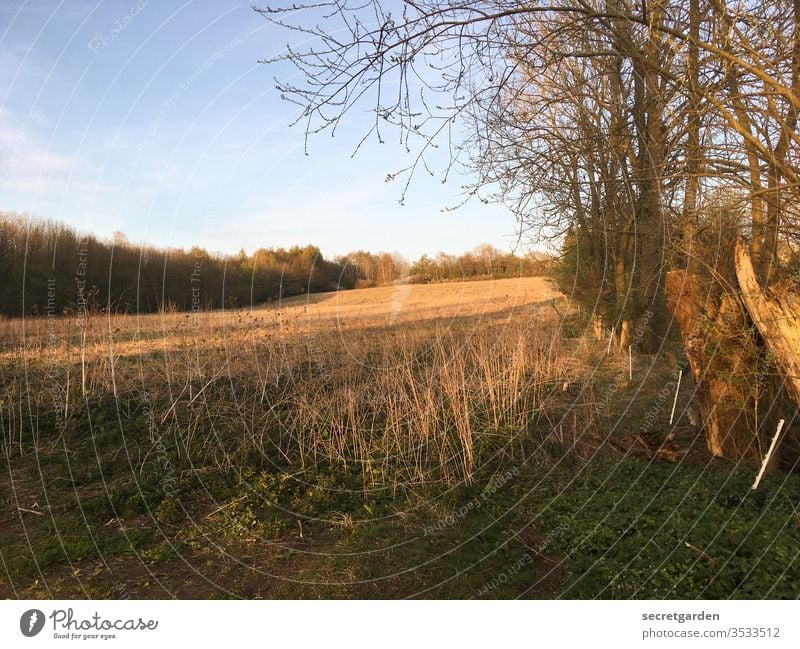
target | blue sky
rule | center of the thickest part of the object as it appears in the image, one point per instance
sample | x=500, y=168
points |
x=155, y=119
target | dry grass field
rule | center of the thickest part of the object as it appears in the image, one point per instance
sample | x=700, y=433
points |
x=425, y=361
x=402, y=304
x=446, y=440
x=406, y=303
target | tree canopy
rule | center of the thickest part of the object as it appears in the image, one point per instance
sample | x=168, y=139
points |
x=612, y=127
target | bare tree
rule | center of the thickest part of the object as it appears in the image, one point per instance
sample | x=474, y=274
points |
x=611, y=125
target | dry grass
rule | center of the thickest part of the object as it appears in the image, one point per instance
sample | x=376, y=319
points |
x=344, y=310
x=411, y=384
x=409, y=303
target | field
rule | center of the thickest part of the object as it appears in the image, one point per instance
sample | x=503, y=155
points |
x=462, y=440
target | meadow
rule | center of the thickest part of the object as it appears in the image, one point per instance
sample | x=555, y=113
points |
x=460, y=440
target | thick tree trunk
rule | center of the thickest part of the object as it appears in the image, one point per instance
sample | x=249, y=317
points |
x=694, y=149
x=599, y=328
x=724, y=357
x=778, y=322
x=624, y=334
x=648, y=117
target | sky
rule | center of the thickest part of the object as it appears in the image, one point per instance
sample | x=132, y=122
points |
x=157, y=120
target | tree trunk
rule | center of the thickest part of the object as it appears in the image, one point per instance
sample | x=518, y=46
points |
x=778, y=322
x=724, y=357
x=694, y=150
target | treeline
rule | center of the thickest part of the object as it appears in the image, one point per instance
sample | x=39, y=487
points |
x=48, y=267
x=483, y=262
x=365, y=269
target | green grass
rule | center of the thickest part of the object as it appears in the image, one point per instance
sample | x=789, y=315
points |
x=612, y=528
x=630, y=528
x=115, y=508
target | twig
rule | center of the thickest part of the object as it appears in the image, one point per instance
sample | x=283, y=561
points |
x=226, y=505
x=30, y=511
x=610, y=340
x=770, y=451
x=675, y=400
x=699, y=551
x=630, y=362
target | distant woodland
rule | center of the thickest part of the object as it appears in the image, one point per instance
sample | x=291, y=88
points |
x=49, y=268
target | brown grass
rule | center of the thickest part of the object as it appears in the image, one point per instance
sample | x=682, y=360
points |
x=411, y=384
